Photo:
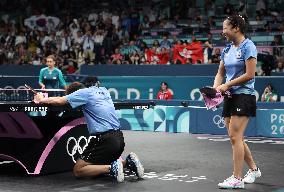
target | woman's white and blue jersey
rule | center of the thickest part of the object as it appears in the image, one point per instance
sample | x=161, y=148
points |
x=98, y=108
x=234, y=59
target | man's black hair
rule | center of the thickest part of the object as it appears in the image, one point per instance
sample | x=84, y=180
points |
x=91, y=81
x=75, y=86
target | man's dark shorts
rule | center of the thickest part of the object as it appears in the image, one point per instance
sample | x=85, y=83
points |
x=104, y=148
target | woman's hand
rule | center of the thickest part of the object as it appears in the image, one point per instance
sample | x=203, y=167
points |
x=223, y=88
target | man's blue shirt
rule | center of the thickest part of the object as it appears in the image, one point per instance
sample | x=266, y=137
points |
x=98, y=108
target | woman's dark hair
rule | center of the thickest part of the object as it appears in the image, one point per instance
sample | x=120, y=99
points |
x=75, y=86
x=165, y=83
x=237, y=21
x=272, y=89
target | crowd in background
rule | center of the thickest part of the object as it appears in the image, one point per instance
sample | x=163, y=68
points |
x=110, y=32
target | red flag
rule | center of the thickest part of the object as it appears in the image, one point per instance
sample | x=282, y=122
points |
x=197, y=51
x=191, y=51
x=151, y=56
x=164, y=57
x=178, y=54
x=157, y=58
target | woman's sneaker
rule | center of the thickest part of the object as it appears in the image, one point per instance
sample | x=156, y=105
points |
x=232, y=183
x=133, y=163
x=252, y=175
x=116, y=170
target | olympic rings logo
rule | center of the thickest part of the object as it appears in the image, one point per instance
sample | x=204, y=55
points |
x=75, y=147
x=219, y=121
x=196, y=92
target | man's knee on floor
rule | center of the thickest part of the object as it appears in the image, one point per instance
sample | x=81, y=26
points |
x=77, y=171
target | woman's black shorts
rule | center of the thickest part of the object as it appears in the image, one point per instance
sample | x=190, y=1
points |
x=240, y=105
x=104, y=148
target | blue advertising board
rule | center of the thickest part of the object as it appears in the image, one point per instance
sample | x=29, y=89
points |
x=270, y=122
x=146, y=87
x=199, y=120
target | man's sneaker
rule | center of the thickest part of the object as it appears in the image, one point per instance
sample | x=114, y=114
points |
x=231, y=183
x=252, y=175
x=133, y=163
x=116, y=170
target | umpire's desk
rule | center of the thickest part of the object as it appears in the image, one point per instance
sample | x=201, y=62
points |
x=43, y=138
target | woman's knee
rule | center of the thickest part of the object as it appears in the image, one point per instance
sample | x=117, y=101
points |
x=235, y=137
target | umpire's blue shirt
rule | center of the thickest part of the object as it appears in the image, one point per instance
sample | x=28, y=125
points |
x=98, y=108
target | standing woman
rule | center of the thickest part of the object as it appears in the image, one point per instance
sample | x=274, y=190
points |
x=238, y=63
x=51, y=77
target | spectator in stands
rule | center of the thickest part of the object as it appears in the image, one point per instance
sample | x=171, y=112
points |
x=88, y=46
x=72, y=66
x=175, y=40
x=209, y=8
x=65, y=42
x=211, y=22
x=143, y=46
x=281, y=27
x=269, y=94
x=165, y=43
x=78, y=38
x=164, y=92
x=274, y=24
x=3, y=58
x=145, y=23
x=228, y=8
x=143, y=60
x=21, y=38
x=122, y=33
x=156, y=44
x=117, y=62
x=191, y=13
x=279, y=67
x=137, y=41
x=130, y=48
x=207, y=52
x=80, y=55
x=11, y=55
x=216, y=57
x=35, y=60
x=99, y=38
x=260, y=5
x=116, y=56
x=277, y=46
x=134, y=59
x=126, y=22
